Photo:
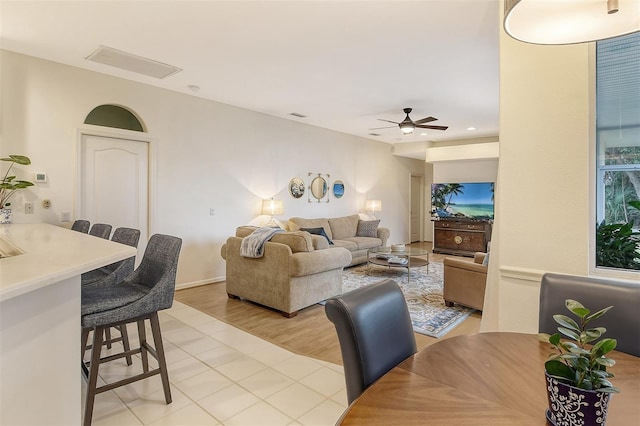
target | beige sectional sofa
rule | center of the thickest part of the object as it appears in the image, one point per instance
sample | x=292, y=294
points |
x=290, y=275
x=343, y=232
x=298, y=269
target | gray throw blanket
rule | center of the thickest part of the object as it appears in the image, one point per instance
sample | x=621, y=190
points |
x=253, y=244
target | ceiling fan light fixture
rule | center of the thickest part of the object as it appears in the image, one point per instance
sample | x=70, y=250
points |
x=407, y=127
x=570, y=21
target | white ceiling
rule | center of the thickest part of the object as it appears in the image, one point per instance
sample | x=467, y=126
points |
x=343, y=64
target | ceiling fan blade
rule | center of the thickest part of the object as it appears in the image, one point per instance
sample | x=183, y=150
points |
x=425, y=120
x=432, y=127
x=388, y=121
x=378, y=128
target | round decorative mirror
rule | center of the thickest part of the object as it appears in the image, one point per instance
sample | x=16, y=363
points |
x=296, y=187
x=319, y=187
x=338, y=189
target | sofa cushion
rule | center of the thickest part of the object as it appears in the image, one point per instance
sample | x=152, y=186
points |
x=364, y=242
x=349, y=245
x=344, y=227
x=368, y=228
x=243, y=231
x=318, y=231
x=319, y=242
x=298, y=241
x=295, y=223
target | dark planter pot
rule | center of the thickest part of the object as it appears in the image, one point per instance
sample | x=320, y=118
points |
x=570, y=406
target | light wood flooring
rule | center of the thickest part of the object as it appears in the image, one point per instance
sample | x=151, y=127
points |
x=309, y=333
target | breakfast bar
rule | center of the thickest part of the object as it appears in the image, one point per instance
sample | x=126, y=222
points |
x=40, y=268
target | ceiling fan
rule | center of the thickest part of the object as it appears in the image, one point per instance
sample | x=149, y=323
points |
x=408, y=125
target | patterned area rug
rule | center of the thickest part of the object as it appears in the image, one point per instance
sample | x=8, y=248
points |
x=423, y=294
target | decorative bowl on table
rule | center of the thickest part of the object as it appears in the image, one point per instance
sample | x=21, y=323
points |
x=397, y=247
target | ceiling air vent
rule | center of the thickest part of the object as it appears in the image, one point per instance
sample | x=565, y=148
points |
x=374, y=134
x=127, y=61
x=297, y=114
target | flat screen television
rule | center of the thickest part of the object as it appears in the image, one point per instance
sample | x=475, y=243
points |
x=471, y=200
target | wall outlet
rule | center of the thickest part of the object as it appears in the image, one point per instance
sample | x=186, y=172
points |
x=212, y=212
x=28, y=208
x=65, y=216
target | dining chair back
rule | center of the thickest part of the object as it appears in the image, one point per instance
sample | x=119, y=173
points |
x=118, y=271
x=81, y=226
x=375, y=333
x=622, y=321
x=100, y=230
x=149, y=289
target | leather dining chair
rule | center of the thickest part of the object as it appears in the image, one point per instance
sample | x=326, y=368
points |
x=375, y=333
x=149, y=289
x=100, y=230
x=81, y=226
x=622, y=321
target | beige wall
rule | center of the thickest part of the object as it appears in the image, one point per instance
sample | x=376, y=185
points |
x=543, y=211
x=207, y=155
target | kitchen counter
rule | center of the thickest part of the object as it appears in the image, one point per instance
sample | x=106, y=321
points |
x=51, y=254
x=40, y=298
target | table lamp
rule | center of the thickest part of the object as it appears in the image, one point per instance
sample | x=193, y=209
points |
x=373, y=206
x=272, y=208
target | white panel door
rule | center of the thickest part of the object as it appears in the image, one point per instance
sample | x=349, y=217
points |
x=416, y=211
x=115, y=183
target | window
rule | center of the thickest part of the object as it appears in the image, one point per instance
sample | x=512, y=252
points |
x=618, y=152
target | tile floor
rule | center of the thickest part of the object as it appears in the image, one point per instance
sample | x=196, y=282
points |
x=221, y=375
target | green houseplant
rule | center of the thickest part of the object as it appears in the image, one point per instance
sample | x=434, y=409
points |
x=9, y=185
x=578, y=385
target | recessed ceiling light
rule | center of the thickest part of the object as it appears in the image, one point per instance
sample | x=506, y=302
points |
x=423, y=134
x=471, y=128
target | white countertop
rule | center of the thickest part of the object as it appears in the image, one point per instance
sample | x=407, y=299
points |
x=52, y=254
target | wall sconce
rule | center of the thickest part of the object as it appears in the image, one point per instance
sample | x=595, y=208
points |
x=570, y=21
x=272, y=208
x=373, y=206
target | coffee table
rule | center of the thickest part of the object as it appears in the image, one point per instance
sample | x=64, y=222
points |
x=377, y=256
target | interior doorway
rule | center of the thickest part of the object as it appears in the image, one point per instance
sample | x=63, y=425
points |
x=114, y=183
x=417, y=211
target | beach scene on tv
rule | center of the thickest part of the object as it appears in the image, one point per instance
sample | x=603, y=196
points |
x=462, y=200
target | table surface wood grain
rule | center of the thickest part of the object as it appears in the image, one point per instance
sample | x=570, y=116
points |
x=481, y=379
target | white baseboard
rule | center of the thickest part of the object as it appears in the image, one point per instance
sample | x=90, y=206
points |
x=198, y=283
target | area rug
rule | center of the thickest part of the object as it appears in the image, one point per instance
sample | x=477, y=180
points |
x=423, y=294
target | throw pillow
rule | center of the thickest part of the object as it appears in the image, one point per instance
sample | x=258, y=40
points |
x=317, y=231
x=368, y=228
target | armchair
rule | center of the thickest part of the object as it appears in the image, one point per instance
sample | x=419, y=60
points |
x=464, y=281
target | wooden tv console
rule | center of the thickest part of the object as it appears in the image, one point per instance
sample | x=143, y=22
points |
x=461, y=237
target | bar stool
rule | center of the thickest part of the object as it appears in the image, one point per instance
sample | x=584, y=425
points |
x=113, y=274
x=100, y=230
x=81, y=226
x=149, y=289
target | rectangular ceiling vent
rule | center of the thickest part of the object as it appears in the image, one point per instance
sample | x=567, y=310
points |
x=374, y=134
x=297, y=114
x=127, y=61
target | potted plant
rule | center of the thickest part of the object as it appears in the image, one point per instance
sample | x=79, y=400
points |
x=578, y=386
x=9, y=185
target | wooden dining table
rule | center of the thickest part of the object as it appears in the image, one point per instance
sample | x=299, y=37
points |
x=481, y=379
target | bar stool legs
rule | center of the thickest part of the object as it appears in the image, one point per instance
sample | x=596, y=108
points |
x=90, y=369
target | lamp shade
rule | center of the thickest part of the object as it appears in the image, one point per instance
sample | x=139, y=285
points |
x=272, y=207
x=373, y=206
x=570, y=21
